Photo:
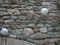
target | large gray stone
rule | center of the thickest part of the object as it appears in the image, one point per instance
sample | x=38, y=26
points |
x=40, y=25
x=16, y=32
x=8, y=21
x=30, y=17
x=6, y=17
x=38, y=36
x=49, y=21
x=2, y=41
x=15, y=11
x=17, y=42
x=1, y=21
x=29, y=7
x=47, y=25
x=31, y=12
x=14, y=17
x=22, y=17
x=43, y=29
x=31, y=25
x=45, y=42
x=5, y=5
x=50, y=34
x=50, y=28
x=23, y=26
x=3, y=13
x=36, y=30
x=56, y=34
x=43, y=21
x=46, y=3
x=28, y=31
x=57, y=28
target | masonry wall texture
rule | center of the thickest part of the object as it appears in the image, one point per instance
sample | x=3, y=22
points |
x=24, y=19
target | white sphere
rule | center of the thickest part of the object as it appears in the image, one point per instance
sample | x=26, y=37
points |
x=44, y=11
x=4, y=31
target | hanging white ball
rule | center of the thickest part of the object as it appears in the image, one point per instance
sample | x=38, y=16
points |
x=44, y=11
x=4, y=31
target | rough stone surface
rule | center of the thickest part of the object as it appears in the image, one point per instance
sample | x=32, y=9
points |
x=46, y=3
x=38, y=36
x=43, y=30
x=40, y=25
x=28, y=31
x=25, y=21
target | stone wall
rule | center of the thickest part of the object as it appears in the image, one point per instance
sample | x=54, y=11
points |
x=24, y=19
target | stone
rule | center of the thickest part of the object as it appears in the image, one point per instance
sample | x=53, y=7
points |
x=43, y=29
x=31, y=12
x=2, y=40
x=52, y=14
x=50, y=28
x=26, y=22
x=23, y=26
x=32, y=1
x=12, y=36
x=1, y=21
x=57, y=28
x=15, y=6
x=34, y=21
x=30, y=4
x=13, y=25
x=56, y=34
x=25, y=0
x=17, y=11
x=17, y=42
x=43, y=21
x=46, y=3
x=47, y=25
x=30, y=17
x=21, y=30
x=38, y=36
x=3, y=13
x=6, y=26
x=35, y=7
x=5, y=5
x=49, y=34
x=1, y=1
x=24, y=12
x=54, y=24
x=29, y=7
x=13, y=11
x=13, y=1
x=38, y=13
x=23, y=6
x=28, y=31
x=31, y=25
x=43, y=17
x=49, y=21
x=22, y=9
x=22, y=17
x=36, y=30
x=36, y=17
x=14, y=17
x=8, y=21
x=10, y=11
x=15, y=32
x=6, y=17
x=45, y=42
x=3, y=9
x=40, y=25
x=53, y=43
